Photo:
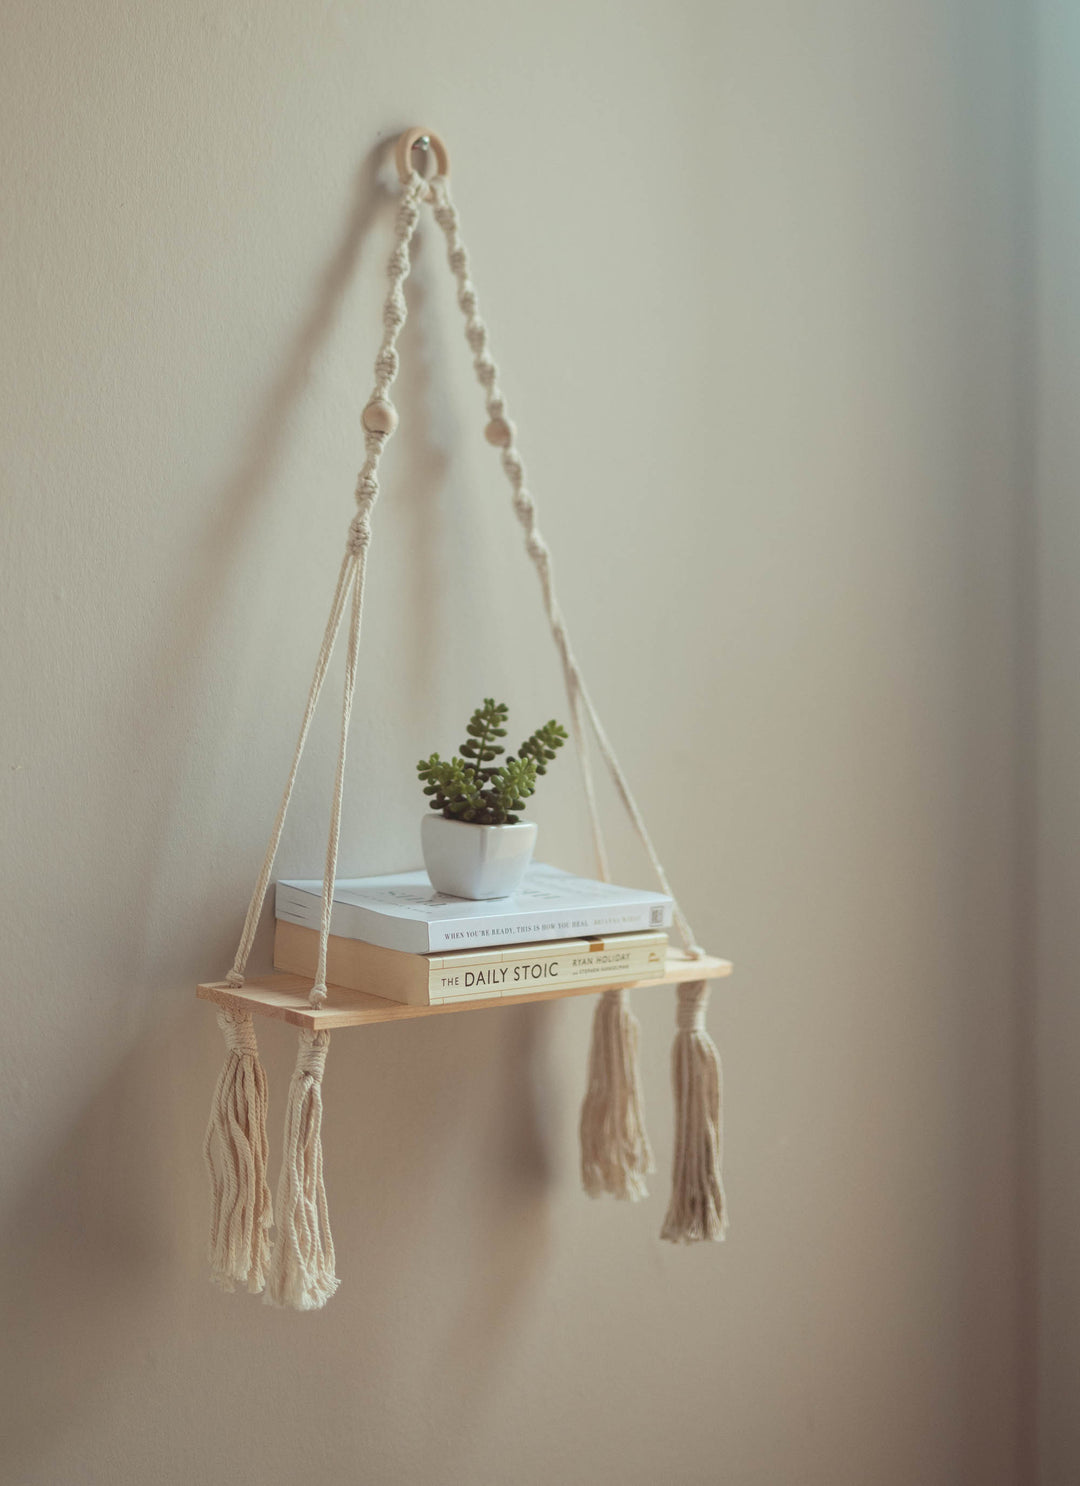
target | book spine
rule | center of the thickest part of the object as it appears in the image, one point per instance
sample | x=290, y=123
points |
x=633, y=919
x=417, y=936
x=542, y=972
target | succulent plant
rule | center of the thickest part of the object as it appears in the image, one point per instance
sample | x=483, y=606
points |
x=472, y=787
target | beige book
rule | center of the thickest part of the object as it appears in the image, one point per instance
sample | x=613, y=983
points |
x=470, y=974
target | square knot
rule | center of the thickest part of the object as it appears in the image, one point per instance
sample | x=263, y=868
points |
x=386, y=364
x=359, y=532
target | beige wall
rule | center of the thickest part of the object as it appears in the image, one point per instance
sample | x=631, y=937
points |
x=751, y=272
x=1056, y=445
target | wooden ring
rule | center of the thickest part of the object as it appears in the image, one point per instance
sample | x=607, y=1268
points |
x=404, y=148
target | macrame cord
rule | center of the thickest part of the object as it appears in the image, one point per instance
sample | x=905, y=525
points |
x=616, y=1155
x=615, y=1151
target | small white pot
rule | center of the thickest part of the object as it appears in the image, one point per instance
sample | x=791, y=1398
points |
x=470, y=861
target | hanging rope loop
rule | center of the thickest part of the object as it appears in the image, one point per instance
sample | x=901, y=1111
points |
x=379, y=421
x=359, y=532
x=580, y=702
x=425, y=140
x=697, y=1211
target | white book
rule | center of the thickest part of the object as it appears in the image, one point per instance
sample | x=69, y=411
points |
x=403, y=911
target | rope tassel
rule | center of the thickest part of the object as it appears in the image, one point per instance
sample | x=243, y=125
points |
x=302, y=1271
x=698, y=1209
x=615, y=1153
x=235, y=1151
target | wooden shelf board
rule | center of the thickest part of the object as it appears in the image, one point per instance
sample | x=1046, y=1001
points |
x=285, y=997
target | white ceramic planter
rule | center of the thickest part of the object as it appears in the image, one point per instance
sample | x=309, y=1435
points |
x=476, y=861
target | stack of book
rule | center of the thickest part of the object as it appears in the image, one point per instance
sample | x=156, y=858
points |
x=399, y=938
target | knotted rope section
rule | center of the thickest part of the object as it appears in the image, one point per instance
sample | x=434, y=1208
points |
x=615, y=1150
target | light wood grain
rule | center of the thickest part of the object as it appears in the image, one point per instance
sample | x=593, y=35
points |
x=403, y=152
x=285, y=997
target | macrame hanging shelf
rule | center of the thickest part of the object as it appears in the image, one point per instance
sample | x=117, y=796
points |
x=294, y=1262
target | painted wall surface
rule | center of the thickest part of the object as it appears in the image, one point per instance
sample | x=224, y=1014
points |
x=751, y=272
x=1056, y=525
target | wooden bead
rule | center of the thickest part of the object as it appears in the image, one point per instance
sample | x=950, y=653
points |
x=379, y=416
x=500, y=431
x=404, y=148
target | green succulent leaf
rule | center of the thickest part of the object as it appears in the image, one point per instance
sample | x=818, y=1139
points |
x=471, y=786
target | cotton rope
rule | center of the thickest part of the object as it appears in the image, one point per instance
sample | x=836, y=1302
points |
x=350, y=580
x=302, y=1268
x=698, y=1209
x=615, y=1153
x=501, y=431
x=615, y=1149
x=236, y=1156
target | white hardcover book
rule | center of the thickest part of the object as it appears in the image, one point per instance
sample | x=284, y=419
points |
x=403, y=911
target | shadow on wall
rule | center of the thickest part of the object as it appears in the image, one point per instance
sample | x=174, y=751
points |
x=188, y=624
x=111, y=1222
x=107, y=1238
x=90, y=1243
x=400, y=1165
x=174, y=665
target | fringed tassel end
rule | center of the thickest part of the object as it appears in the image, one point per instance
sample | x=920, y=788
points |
x=235, y=1151
x=698, y=1209
x=615, y=1153
x=302, y=1270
